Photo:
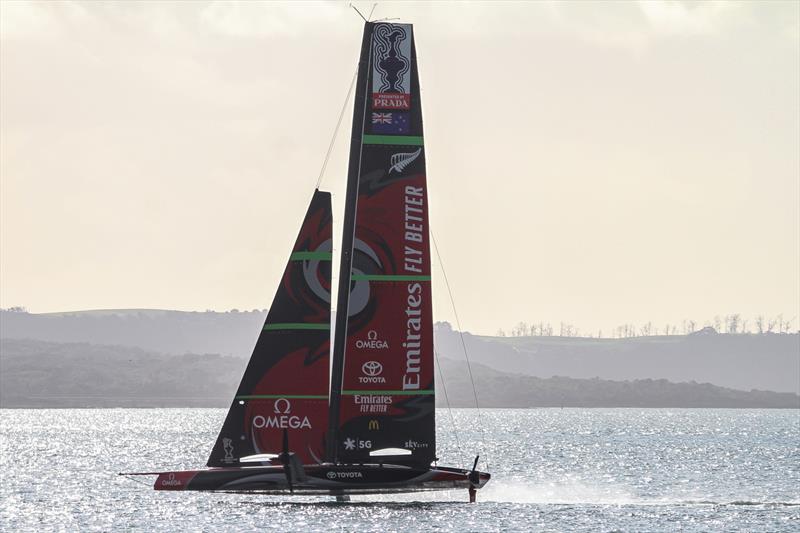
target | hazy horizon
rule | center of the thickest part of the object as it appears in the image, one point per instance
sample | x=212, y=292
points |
x=592, y=164
x=729, y=323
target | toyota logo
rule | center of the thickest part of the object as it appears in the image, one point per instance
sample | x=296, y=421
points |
x=372, y=368
x=331, y=475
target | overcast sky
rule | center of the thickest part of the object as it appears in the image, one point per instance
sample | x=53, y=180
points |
x=589, y=163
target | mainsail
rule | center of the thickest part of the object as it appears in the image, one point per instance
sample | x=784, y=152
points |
x=382, y=393
x=285, y=386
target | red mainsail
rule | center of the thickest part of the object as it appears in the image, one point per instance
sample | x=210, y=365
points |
x=387, y=391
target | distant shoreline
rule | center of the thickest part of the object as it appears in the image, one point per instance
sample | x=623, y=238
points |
x=167, y=359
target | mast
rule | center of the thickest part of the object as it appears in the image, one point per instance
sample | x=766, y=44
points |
x=348, y=234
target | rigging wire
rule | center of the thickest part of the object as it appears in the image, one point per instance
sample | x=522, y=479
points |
x=447, y=400
x=336, y=130
x=359, y=12
x=132, y=478
x=463, y=343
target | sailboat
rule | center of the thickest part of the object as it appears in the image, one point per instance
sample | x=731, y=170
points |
x=363, y=422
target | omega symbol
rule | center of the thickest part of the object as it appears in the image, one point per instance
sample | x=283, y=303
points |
x=287, y=406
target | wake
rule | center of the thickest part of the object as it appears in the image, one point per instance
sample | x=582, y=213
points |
x=567, y=492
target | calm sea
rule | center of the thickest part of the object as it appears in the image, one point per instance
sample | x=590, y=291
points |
x=553, y=470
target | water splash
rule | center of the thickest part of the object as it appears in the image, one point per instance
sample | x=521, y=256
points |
x=567, y=491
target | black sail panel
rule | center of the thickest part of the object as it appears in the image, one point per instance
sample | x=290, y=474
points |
x=387, y=397
x=285, y=386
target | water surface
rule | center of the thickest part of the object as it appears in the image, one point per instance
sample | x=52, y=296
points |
x=553, y=470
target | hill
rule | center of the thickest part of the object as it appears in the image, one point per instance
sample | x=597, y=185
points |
x=176, y=332
x=46, y=374
x=741, y=361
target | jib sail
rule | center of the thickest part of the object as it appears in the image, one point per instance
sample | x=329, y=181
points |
x=285, y=386
x=384, y=396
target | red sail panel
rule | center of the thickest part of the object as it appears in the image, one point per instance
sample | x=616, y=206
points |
x=285, y=386
x=387, y=384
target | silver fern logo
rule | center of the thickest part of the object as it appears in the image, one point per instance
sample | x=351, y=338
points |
x=400, y=161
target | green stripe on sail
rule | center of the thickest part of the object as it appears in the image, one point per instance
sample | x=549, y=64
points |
x=392, y=392
x=388, y=277
x=295, y=325
x=279, y=396
x=301, y=256
x=404, y=140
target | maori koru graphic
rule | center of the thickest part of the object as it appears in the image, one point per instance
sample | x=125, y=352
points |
x=390, y=63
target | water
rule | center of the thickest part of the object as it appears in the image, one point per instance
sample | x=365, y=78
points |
x=553, y=470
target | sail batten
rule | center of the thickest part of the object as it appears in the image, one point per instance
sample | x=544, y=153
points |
x=295, y=325
x=396, y=140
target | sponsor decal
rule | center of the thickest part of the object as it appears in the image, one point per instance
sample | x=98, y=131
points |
x=374, y=425
x=372, y=342
x=413, y=341
x=391, y=75
x=372, y=368
x=227, y=445
x=401, y=160
x=171, y=481
x=373, y=404
x=391, y=101
x=372, y=373
x=391, y=122
x=413, y=445
x=282, y=418
x=343, y=475
x=373, y=409
x=352, y=444
x=412, y=263
x=282, y=405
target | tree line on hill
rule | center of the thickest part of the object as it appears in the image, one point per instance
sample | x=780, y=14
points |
x=734, y=324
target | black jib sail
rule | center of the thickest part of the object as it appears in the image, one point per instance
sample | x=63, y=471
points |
x=285, y=386
x=382, y=393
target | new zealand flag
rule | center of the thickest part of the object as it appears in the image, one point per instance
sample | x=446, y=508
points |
x=391, y=122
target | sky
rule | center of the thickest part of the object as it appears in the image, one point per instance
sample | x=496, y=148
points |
x=596, y=164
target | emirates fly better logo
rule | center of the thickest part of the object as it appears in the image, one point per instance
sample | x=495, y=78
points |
x=372, y=373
